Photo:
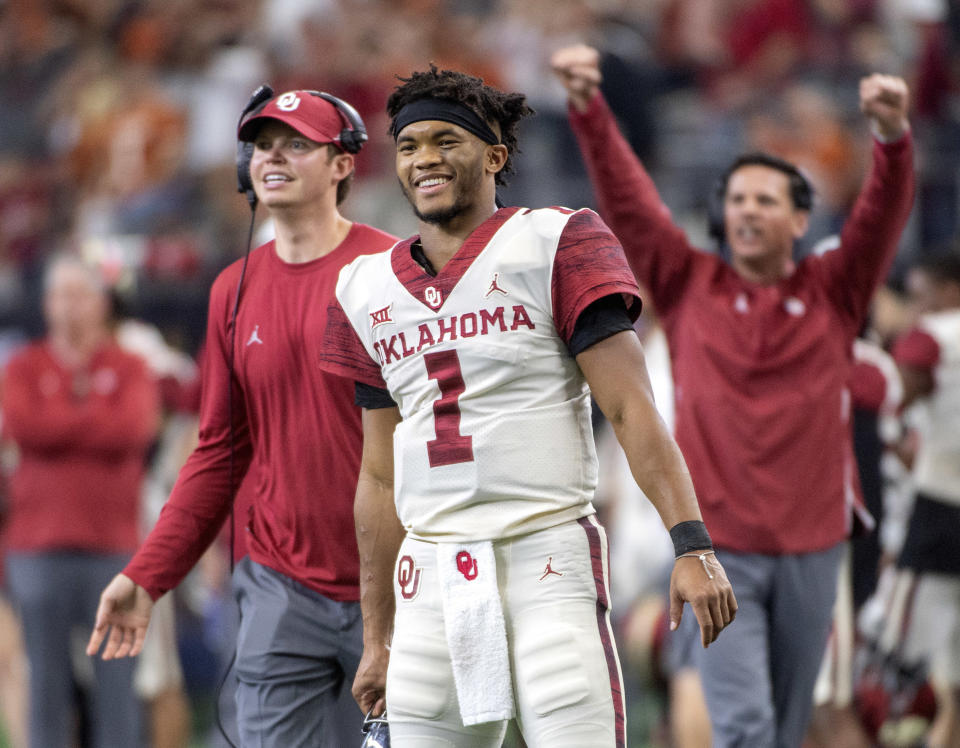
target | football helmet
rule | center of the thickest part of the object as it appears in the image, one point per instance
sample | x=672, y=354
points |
x=376, y=731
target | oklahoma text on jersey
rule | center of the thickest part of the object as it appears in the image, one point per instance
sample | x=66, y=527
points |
x=427, y=334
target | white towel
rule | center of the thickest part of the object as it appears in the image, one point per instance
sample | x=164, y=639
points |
x=476, y=632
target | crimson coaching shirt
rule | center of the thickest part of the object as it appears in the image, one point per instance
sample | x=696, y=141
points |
x=496, y=437
x=295, y=427
x=760, y=372
x=81, y=456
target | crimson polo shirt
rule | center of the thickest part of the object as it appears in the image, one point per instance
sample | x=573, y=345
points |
x=760, y=371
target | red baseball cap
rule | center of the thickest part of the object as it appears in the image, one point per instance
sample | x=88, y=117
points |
x=307, y=113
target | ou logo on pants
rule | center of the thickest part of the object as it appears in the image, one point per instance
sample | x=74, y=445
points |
x=408, y=577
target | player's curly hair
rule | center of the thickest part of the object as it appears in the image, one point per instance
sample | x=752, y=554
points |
x=506, y=109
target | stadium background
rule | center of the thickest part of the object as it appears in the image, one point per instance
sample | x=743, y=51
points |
x=117, y=128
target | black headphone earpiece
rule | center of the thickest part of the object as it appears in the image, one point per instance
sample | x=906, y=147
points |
x=354, y=135
x=258, y=100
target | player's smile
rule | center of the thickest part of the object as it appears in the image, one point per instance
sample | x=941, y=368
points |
x=429, y=184
x=275, y=180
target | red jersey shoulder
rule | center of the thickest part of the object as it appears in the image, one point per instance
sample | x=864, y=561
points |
x=585, y=225
x=343, y=353
x=589, y=264
x=589, y=255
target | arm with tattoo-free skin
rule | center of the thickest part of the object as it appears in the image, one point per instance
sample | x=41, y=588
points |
x=379, y=534
x=616, y=372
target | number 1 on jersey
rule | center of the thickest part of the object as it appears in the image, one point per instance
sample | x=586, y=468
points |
x=450, y=446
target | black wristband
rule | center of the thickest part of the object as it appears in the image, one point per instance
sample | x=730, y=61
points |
x=689, y=536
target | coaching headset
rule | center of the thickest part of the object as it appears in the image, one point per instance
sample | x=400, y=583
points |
x=351, y=137
x=801, y=191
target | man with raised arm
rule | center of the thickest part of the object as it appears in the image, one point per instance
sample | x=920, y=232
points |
x=761, y=346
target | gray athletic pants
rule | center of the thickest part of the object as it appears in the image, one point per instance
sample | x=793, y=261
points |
x=56, y=594
x=758, y=676
x=297, y=653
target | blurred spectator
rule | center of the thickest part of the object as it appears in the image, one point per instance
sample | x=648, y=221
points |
x=82, y=414
x=876, y=390
x=929, y=360
x=876, y=393
x=737, y=48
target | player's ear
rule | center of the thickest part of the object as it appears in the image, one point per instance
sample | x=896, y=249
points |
x=495, y=158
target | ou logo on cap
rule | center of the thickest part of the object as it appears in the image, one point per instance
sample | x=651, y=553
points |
x=288, y=102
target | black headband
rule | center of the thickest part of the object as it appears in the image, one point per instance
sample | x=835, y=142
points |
x=444, y=110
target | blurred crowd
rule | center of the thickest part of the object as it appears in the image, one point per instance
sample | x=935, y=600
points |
x=119, y=133
x=118, y=129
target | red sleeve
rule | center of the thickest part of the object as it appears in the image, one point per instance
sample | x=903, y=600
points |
x=871, y=233
x=343, y=352
x=917, y=349
x=589, y=265
x=658, y=251
x=202, y=496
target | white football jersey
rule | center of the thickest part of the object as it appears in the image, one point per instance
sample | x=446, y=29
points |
x=496, y=438
x=937, y=464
